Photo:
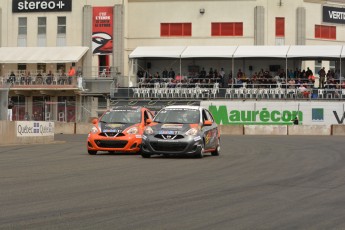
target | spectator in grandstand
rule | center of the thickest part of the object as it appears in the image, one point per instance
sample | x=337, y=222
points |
x=202, y=73
x=322, y=75
x=49, y=77
x=311, y=79
x=79, y=72
x=9, y=109
x=28, y=78
x=298, y=82
x=291, y=83
x=140, y=74
x=178, y=78
x=291, y=74
x=39, y=78
x=165, y=73
x=26, y=116
x=62, y=78
x=308, y=72
x=296, y=73
x=221, y=73
x=239, y=74
x=71, y=75
x=12, y=78
x=157, y=77
x=303, y=91
x=171, y=73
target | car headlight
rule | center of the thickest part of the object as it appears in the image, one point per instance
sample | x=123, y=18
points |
x=148, y=130
x=94, y=129
x=192, y=132
x=133, y=130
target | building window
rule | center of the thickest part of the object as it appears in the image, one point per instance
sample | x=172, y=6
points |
x=41, y=68
x=42, y=31
x=60, y=67
x=21, y=68
x=61, y=31
x=227, y=28
x=325, y=32
x=176, y=29
x=22, y=31
x=280, y=27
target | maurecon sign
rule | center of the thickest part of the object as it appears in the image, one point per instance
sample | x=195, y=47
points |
x=333, y=14
x=20, y=6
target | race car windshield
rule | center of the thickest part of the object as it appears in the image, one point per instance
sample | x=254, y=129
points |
x=180, y=116
x=122, y=116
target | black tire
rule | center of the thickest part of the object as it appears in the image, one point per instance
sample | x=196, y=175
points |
x=111, y=152
x=217, y=151
x=145, y=155
x=201, y=152
x=92, y=152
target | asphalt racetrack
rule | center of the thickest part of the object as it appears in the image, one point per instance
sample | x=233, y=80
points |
x=258, y=182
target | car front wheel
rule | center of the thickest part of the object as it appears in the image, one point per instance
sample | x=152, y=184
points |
x=217, y=151
x=201, y=152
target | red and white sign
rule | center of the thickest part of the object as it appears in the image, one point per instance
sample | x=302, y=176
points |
x=102, y=30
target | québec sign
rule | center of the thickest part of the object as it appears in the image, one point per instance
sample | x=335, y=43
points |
x=20, y=6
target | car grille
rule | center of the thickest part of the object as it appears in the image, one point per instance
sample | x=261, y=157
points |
x=109, y=134
x=110, y=143
x=172, y=137
x=169, y=147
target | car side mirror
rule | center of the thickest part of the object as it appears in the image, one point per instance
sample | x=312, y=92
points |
x=207, y=123
x=148, y=121
x=94, y=121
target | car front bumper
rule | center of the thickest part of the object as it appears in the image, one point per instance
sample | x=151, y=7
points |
x=129, y=143
x=189, y=145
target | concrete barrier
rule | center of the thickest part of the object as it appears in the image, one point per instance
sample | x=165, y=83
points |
x=232, y=129
x=64, y=127
x=7, y=134
x=309, y=130
x=11, y=136
x=338, y=130
x=83, y=128
x=265, y=130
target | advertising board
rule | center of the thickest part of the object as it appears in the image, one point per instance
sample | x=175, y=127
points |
x=276, y=113
x=34, y=128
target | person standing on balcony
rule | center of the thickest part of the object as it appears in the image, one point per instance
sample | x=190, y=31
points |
x=9, y=109
x=71, y=74
x=322, y=74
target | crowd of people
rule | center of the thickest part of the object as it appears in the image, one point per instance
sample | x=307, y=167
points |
x=261, y=79
x=62, y=78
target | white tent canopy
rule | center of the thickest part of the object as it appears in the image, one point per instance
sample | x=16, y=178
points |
x=314, y=51
x=318, y=51
x=157, y=52
x=42, y=54
x=261, y=51
x=208, y=52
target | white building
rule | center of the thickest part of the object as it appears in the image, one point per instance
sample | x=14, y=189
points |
x=67, y=25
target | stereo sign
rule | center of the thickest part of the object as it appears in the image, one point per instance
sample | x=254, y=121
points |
x=20, y=6
x=333, y=14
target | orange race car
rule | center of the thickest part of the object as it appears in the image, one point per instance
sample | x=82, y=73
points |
x=118, y=130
